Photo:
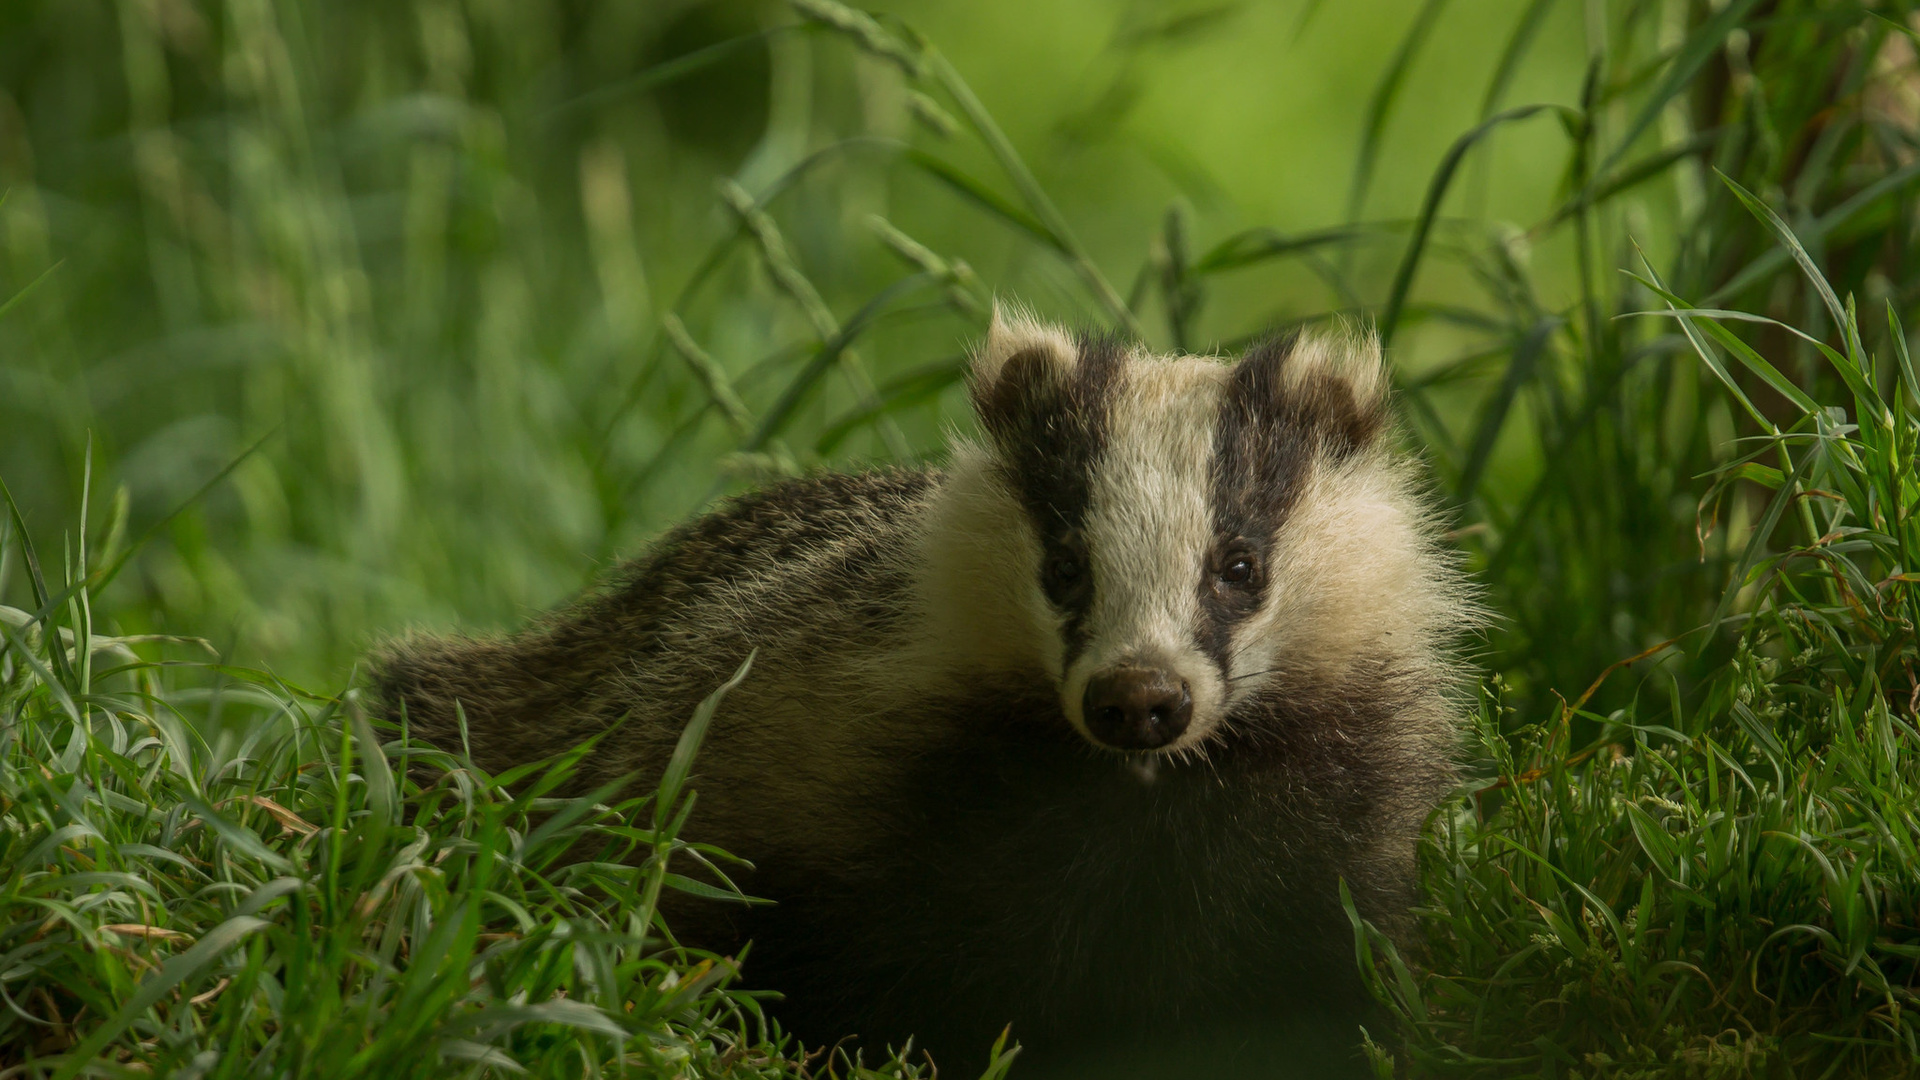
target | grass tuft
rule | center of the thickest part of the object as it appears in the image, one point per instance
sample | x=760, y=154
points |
x=1728, y=890
x=208, y=872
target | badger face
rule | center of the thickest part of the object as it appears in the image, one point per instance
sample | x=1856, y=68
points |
x=1168, y=536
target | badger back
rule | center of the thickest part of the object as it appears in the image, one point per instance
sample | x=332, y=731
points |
x=802, y=571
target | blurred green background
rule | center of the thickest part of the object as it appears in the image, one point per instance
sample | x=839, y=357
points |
x=438, y=256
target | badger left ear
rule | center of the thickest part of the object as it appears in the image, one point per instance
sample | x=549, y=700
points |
x=1015, y=332
x=1022, y=361
x=1332, y=384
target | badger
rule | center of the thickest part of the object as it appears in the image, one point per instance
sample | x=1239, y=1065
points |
x=1081, y=733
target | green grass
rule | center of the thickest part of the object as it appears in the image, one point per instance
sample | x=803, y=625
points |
x=1725, y=886
x=367, y=316
x=207, y=872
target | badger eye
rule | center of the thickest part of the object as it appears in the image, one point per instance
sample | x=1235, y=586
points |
x=1063, y=569
x=1065, y=574
x=1237, y=572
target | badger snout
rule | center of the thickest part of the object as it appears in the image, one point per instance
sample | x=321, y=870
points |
x=1137, y=708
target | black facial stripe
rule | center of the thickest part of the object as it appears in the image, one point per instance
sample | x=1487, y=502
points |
x=1050, y=425
x=1261, y=454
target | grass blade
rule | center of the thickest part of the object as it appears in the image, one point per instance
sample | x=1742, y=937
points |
x=1626, y=180
x=1430, y=208
x=674, y=779
x=1740, y=349
x=776, y=417
x=1520, y=369
x=100, y=578
x=1518, y=43
x=711, y=375
x=988, y=199
x=177, y=970
x=1817, y=231
x=1036, y=197
x=1700, y=347
x=27, y=289
x=1784, y=234
x=666, y=72
x=908, y=389
x=1380, y=107
x=1899, y=335
x=1762, y=532
x=1699, y=48
x=1254, y=246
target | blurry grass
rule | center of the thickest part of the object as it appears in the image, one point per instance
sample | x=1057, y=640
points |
x=492, y=343
x=435, y=249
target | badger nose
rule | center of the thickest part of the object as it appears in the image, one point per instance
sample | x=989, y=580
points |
x=1137, y=708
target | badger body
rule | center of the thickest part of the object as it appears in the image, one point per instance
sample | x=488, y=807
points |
x=1080, y=733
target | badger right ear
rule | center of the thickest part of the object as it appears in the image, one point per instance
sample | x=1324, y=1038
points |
x=1332, y=385
x=1023, y=361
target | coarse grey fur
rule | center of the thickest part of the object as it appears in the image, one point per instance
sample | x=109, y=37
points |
x=908, y=766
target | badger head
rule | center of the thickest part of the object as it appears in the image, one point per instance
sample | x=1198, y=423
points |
x=1170, y=538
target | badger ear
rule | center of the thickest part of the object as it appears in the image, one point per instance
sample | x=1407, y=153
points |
x=1333, y=384
x=1022, y=361
x=1015, y=332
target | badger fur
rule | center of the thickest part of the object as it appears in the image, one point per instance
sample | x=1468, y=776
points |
x=1080, y=733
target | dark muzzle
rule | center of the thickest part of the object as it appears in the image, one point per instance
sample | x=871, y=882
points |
x=1134, y=708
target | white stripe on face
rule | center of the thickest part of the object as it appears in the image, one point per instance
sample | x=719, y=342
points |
x=1149, y=530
